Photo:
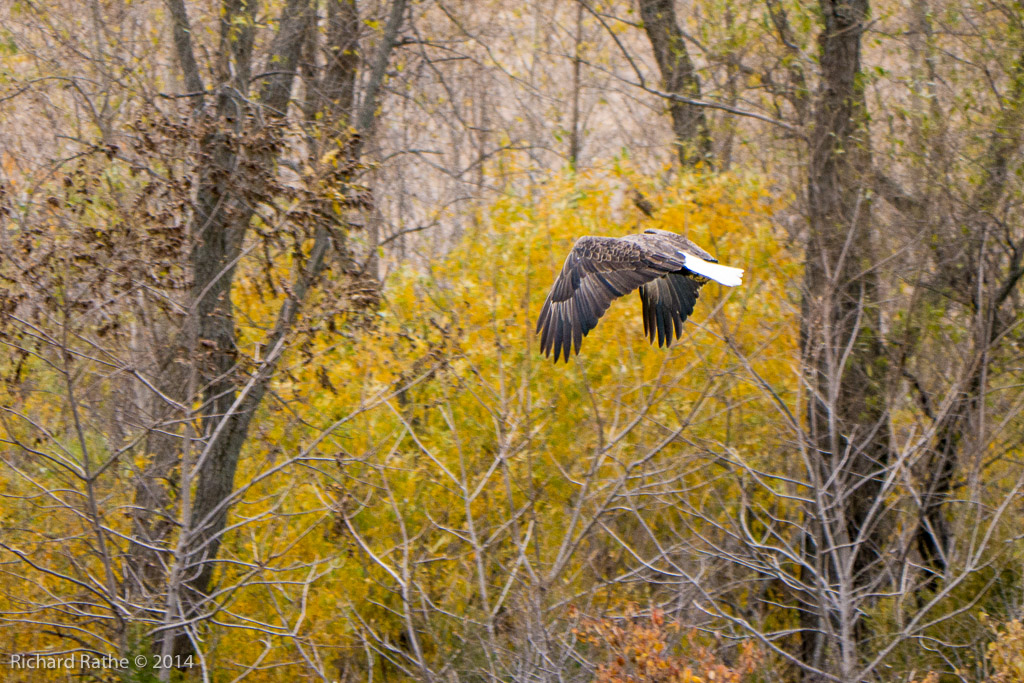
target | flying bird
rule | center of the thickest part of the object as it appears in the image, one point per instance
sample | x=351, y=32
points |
x=668, y=268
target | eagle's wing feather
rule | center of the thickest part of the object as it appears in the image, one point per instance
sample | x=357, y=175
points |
x=597, y=271
x=667, y=302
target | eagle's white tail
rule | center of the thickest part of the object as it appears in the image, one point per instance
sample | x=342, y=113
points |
x=730, y=277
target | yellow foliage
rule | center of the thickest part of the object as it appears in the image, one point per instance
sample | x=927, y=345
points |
x=443, y=417
x=1006, y=653
x=411, y=441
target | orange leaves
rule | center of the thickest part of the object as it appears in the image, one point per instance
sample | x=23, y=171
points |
x=641, y=649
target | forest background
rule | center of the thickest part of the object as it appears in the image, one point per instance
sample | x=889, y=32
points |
x=272, y=406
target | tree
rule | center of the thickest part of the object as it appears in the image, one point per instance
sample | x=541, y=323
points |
x=195, y=192
x=679, y=76
x=847, y=384
x=235, y=176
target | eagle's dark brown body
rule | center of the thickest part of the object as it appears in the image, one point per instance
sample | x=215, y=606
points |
x=668, y=269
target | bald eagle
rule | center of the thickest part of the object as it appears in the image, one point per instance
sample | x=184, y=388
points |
x=668, y=268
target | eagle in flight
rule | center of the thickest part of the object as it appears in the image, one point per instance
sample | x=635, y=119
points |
x=668, y=268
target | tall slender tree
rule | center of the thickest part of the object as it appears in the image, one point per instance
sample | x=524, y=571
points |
x=243, y=116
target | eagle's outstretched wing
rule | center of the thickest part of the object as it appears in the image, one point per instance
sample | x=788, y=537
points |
x=668, y=269
x=667, y=302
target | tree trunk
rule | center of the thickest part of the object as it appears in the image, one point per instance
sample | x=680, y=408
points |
x=841, y=345
x=692, y=137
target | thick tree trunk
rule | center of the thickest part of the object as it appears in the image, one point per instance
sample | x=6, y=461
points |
x=692, y=137
x=841, y=345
